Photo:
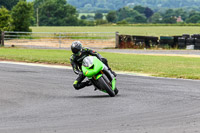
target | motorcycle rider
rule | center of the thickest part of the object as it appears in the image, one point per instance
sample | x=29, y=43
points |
x=79, y=53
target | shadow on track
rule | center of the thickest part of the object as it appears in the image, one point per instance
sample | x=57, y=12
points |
x=95, y=96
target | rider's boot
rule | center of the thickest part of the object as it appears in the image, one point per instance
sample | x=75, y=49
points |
x=81, y=85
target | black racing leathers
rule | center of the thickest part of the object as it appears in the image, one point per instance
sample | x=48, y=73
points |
x=76, y=62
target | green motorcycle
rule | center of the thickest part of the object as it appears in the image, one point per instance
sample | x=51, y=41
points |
x=99, y=75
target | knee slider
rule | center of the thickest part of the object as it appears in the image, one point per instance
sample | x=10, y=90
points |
x=76, y=86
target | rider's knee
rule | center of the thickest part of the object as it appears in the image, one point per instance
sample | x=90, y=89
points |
x=104, y=60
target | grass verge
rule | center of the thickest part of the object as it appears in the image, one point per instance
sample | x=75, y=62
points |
x=155, y=65
x=124, y=30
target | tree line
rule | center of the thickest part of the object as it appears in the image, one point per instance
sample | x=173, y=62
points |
x=107, y=5
x=140, y=14
x=18, y=15
x=15, y=15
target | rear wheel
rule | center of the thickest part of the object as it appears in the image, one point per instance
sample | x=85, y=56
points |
x=105, y=86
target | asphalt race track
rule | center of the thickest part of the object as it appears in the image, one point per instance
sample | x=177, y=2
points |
x=37, y=99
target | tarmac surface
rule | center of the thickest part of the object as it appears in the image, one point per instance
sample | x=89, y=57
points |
x=37, y=99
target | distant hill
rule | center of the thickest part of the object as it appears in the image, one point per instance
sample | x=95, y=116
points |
x=94, y=5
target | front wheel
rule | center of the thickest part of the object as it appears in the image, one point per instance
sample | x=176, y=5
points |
x=106, y=87
x=116, y=91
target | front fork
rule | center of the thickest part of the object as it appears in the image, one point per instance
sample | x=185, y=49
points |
x=112, y=82
x=110, y=76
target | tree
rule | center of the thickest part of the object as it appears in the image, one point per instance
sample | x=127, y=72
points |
x=169, y=13
x=193, y=19
x=116, y=4
x=98, y=16
x=140, y=9
x=148, y=12
x=169, y=16
x=57, y=13
x=136, y=18
x=192, y=13
x=8, y=3
x=83, y=17
x=22, y=14
x=169, y=20
x=37, y=3
x=140, y=19
x=124, y=13
x=111, y=16
x=182, y=13
x=130, y=15
x=156, y=18
x=5, y=19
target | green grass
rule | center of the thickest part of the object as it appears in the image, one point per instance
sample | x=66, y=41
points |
x=127, y=30
x=162, y=66
x=35, y=55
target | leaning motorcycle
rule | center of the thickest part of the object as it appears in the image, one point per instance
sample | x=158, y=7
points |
x=99, y=75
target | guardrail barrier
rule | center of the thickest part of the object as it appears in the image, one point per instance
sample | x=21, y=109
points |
x=58, y=39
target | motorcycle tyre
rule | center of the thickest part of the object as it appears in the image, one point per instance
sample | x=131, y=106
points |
x=106, y=87
x=116, y=91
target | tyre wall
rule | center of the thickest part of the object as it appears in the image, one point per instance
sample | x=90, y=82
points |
x=141, y=42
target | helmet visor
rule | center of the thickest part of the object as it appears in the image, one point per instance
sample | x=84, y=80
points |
x=78, y=53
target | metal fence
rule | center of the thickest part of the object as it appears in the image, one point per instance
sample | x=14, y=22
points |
x=59, y=39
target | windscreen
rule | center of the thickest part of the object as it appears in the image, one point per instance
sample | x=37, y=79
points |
x=88, y=61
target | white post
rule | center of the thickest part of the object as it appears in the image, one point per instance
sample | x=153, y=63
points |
x=117, y=39
x=60, y=40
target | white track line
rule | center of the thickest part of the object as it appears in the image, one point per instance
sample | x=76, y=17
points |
x=35, y=64
x=69, y=67
x=63, y=67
